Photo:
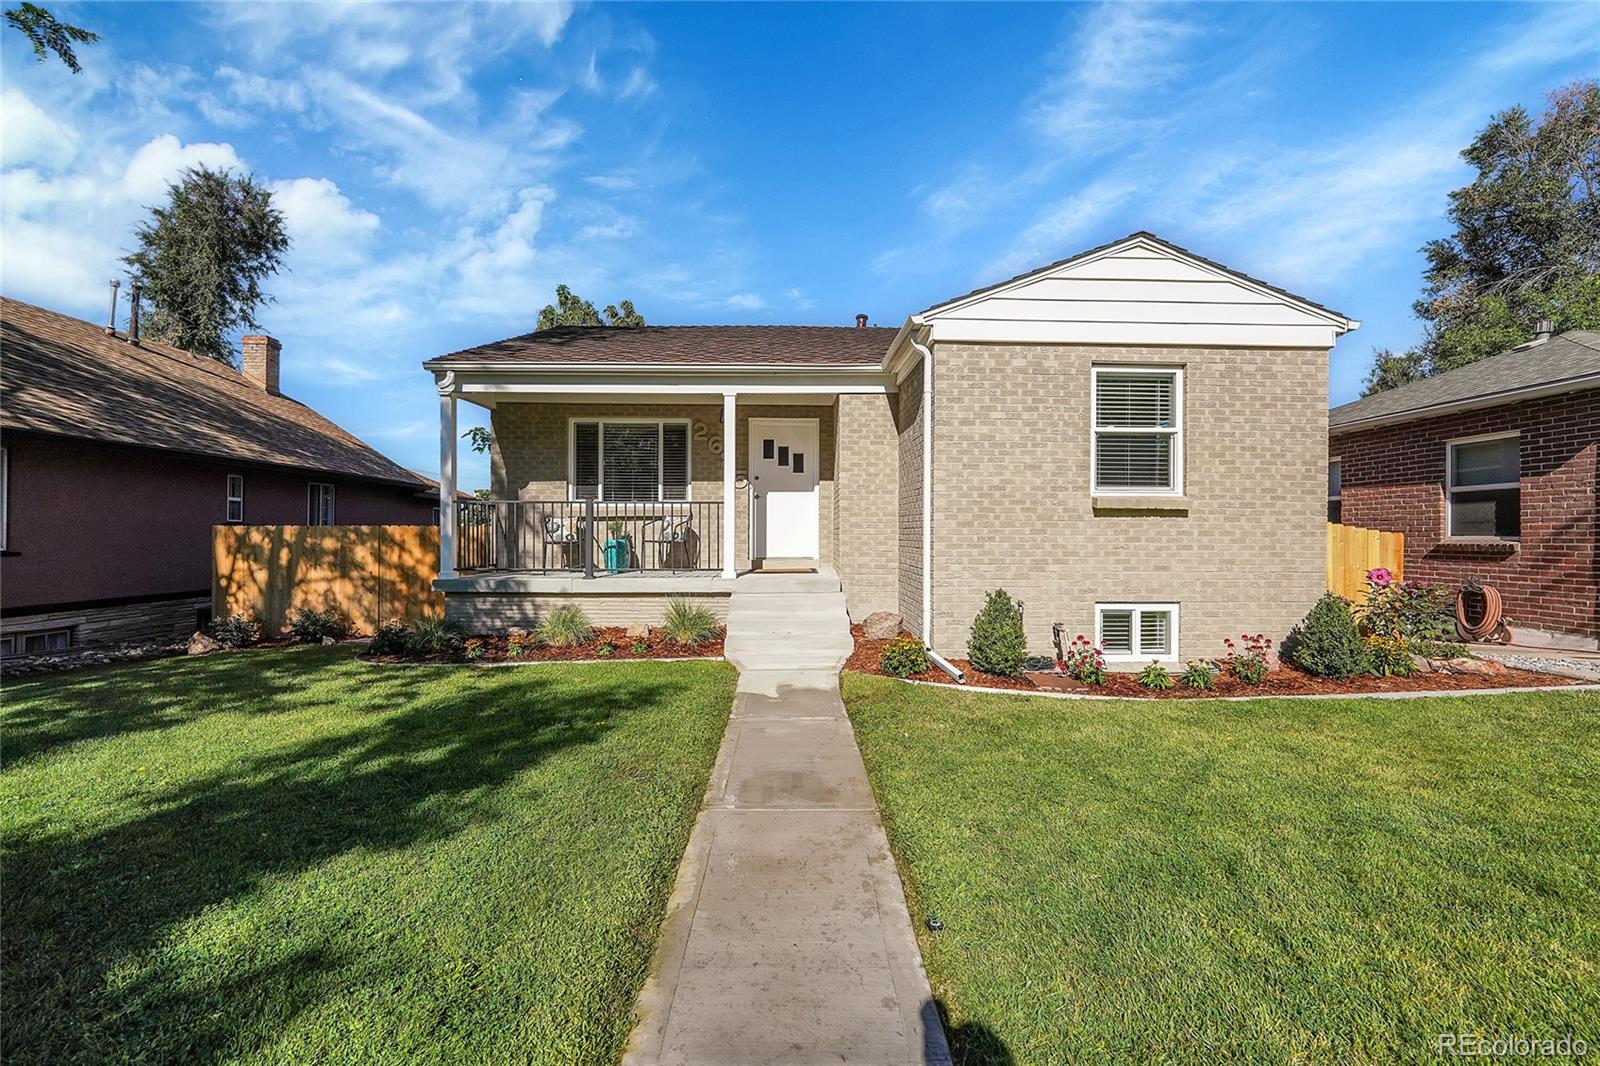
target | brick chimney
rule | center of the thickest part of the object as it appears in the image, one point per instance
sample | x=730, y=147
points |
x=261, y=361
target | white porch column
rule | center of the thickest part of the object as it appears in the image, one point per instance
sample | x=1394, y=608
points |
x=447, y=476
x=730, y=510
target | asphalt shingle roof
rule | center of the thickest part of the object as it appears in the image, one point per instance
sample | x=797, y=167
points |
x=686, y=346
x=1569, y=357
x=64, y=376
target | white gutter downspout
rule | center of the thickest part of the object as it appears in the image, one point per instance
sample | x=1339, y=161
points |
x=927, y=510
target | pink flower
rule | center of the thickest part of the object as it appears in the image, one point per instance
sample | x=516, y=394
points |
x=1380, y=576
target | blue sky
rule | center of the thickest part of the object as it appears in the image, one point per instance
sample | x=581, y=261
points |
x=442, y=168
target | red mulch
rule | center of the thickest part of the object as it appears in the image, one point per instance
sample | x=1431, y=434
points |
x=1284, y=681
x=494, y=649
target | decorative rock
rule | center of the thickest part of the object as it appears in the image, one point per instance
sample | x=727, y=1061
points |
x=1475, y=666
x=329, y=640
x=517, y=633
x=638, y=629
x=200, y=644
x=881, y=625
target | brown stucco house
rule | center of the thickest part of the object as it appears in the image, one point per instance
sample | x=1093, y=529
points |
x=117, y=457
x=1491, y=472
x=1130, y=440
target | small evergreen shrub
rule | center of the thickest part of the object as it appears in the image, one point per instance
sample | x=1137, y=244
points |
x=1389, y=657
x=904, y=656
x=1084, y=662
x=437, y=636
x=392, y=638
x=236, y=631
x=566, y=626
x=1155, y=677
x=686, y=622
x=997, y=645
x=1249, y=665
x=1327, y=643
x=1198, y=675
x=309, y=627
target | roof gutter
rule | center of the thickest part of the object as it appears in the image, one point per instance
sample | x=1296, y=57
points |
x=519, y=367
x=1471, y=403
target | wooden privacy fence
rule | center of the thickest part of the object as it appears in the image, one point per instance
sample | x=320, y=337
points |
x=1352, y=551
x=369, y=574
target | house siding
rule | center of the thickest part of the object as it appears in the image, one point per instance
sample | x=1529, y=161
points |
x=1393, y=478
x=908, y=427
x=528, y=458
x=1013, y=505
x=866, y=504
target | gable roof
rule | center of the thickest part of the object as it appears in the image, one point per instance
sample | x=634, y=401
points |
x=683, y=346
x=1148, y=240
x=1561, y=364
x=64, y=376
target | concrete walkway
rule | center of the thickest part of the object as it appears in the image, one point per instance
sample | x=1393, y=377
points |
x=787, y=939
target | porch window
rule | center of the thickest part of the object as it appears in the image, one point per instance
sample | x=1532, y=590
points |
x=1138, y=431
x=1137, y=631
x=629, y=460
x=1484, y=487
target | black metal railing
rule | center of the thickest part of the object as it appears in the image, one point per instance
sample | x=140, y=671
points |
x=591, y=538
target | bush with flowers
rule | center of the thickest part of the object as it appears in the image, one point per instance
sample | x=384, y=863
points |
x=1411, y=610
x=1389, y=656
x=1248, y=663
x=1084, y=662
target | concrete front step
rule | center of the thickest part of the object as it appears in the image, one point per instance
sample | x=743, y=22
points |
x=825, y=581
x=788, y=622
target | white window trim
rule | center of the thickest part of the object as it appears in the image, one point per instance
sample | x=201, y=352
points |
x=1137, y=608
x=1176, y=432
x=661, y=453
x=332, y=502
x=227, y=513
x=5, y=497
x=1450, y=489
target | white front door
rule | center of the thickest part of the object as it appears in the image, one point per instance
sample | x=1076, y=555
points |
x=784, y=497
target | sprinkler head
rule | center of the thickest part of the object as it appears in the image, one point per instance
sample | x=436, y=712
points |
x=934, y=923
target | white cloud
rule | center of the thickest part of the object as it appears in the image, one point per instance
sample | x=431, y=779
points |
x=159, y=162
x=1061, y=228
x=323, y=225
x=29, y=135
x=745, y=301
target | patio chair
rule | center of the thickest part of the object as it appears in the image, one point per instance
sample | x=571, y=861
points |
x=674, y=544
x=558, y=531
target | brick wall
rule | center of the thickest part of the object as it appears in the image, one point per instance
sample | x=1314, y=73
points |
x=908, y=427
x=528, y=459
x=866, y=505
x=1013, y=506
x=1394, y=479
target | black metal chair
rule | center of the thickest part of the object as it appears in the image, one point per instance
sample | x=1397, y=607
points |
x=557, y=531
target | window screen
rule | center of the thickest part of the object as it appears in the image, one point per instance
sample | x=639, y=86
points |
x=1485, y=489
x=1136, y=429
x=630, y=461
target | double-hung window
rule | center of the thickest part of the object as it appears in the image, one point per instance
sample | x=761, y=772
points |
x=1335, y=490
x=621, y=460
x=1138, y=431
x=319, y=504
x=1483, y=487
x=236, y=497
x=1136, y=631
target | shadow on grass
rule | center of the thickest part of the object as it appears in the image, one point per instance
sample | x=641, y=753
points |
x=971, y=1043
x=81, y=910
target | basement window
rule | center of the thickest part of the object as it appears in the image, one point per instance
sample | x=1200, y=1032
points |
x=1136, y=632
x=1484, y=487
x=42, y=642
x=1137, y=439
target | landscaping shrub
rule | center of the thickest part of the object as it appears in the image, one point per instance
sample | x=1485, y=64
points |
x=640, y=646
x=1409, y=609
x=1389, y=656
x=436, y=636
x=1249, y=665
x=309, y=627
x=236, y=630
x=997, y=645
x=475, y=648
x=1198, y=675
x=606, y=649
x=566, y=626
x=1155, y=676
x=686, y=622
x=904, y=656
x=392, y=638
x=1084, y=662
x=1327, y=643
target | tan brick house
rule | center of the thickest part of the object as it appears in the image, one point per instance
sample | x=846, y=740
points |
x=1132, y=441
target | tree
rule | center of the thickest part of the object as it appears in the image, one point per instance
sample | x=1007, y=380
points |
x=202, y=258
x=1389, y=370
x=1526, y=245
x=49, y=34
x=572, y=310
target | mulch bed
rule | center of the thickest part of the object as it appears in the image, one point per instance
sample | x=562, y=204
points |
x=494, y=650
x=1283, y=681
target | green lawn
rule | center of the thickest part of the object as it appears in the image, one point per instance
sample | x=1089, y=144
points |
x=291, y=856
x=1271, y=881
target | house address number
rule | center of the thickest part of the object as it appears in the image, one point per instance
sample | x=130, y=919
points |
x=713, y=439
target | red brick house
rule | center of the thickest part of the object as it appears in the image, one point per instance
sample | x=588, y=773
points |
x=1490, y=471
x=118, y=455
